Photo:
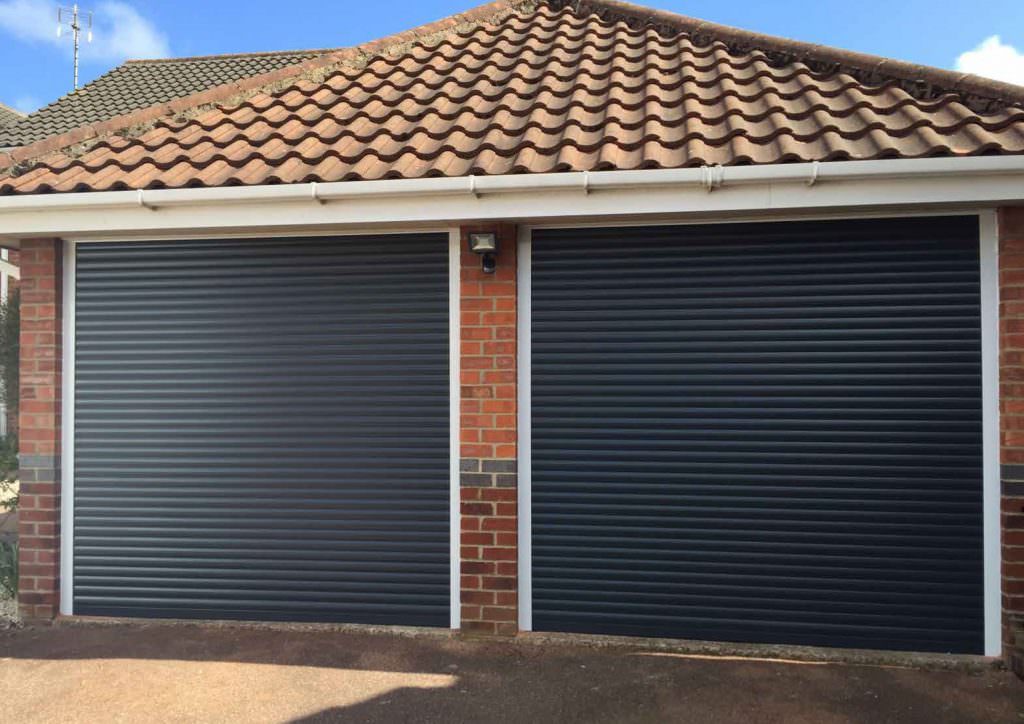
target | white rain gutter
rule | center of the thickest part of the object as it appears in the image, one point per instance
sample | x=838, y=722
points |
x=999, y=179
x=707, y=177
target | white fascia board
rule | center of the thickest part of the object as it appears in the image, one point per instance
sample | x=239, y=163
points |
x=975, y=181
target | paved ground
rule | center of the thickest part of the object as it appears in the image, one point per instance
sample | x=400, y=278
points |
x=163, y=673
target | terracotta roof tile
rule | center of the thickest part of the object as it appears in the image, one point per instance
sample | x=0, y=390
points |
x=550, y=88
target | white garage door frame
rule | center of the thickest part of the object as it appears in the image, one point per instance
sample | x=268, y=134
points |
x=990, y=370
x=989, y=278
x=67, y=481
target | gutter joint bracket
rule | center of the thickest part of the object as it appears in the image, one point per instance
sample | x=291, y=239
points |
x=712, y=177
x=815, y=169
x=143, y=203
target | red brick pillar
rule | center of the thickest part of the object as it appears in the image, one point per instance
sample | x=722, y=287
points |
x=1011, y=432
x=488, y=438
x=39, y=429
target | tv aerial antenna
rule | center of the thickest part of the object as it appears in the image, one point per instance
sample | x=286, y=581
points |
x=73, y=19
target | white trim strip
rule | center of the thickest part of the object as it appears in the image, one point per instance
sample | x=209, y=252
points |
x=6, y=270
x=990, y=430
x=454, y=352
x=67, y=432
x=989, y=278
x=68, y=426
x=989, y=311
x=524, y=430
x=536, y=197
x=9, y=269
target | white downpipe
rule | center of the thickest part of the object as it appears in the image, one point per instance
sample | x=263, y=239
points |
x=710, y=178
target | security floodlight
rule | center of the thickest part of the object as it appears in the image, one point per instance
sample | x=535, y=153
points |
x=486, y=245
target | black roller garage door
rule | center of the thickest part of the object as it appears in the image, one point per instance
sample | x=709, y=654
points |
x=261, y=429
x=765, y=432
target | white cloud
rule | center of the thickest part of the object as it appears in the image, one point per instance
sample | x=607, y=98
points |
x=994, y=59
x=126, y=34
x=29, y=19
x=119, y=31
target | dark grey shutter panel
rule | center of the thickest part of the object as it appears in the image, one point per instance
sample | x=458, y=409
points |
x=762, y=432
x=262, y=429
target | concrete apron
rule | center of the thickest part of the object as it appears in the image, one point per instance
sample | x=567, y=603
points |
x=667, y=647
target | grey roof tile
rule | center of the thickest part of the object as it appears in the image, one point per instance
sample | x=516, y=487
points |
x=8, y=116
x=138, y=84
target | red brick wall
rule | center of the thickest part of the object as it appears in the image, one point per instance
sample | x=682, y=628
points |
x=39, y=428
x=488, y=438
x=1011, y=432
x=1011, y=414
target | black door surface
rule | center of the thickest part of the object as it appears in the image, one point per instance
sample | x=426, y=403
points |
x=261, y=429
x=765, y=432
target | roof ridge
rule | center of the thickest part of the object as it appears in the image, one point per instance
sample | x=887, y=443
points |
x=926, y=80
x=232, y=56
x=196, y=102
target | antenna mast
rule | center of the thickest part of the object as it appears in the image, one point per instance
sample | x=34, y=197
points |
x=71, y=18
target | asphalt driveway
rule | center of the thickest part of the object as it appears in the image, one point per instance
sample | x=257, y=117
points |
x=174, y=673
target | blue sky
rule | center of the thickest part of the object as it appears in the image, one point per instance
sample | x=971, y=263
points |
x=35, y=66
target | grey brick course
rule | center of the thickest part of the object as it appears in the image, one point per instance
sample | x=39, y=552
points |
x=477, y=473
